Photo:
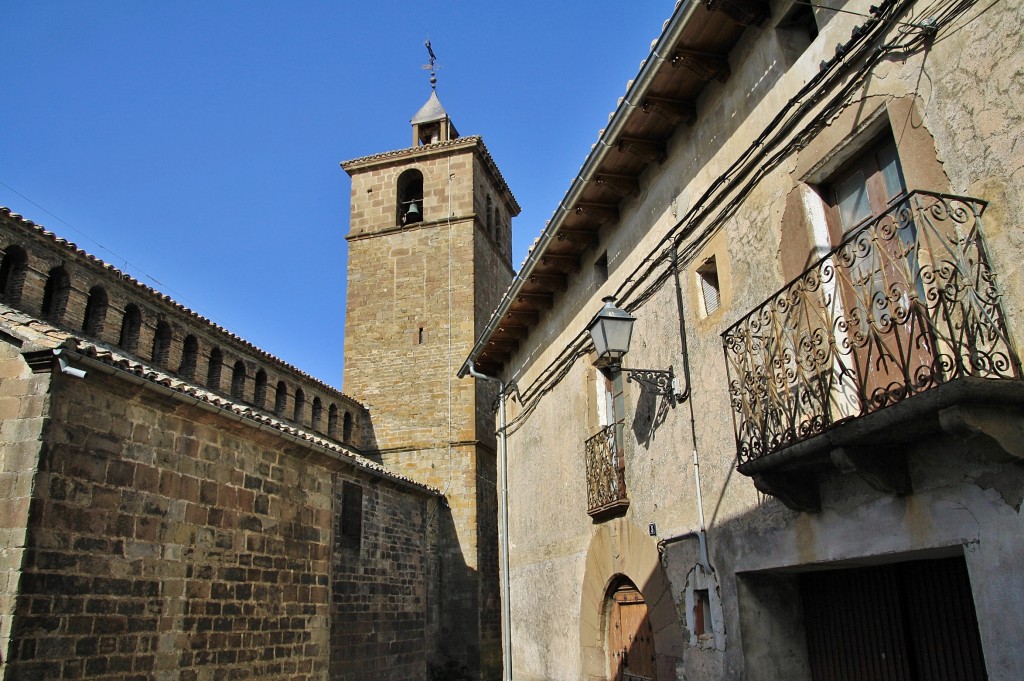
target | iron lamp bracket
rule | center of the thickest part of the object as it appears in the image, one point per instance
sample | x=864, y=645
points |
x=662, y=382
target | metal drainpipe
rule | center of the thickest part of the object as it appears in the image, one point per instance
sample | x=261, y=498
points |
x=702, y=535
x=506, y=619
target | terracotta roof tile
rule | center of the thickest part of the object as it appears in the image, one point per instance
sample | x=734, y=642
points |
x=39, y=335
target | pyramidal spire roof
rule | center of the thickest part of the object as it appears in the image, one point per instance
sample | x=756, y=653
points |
x=432, y=111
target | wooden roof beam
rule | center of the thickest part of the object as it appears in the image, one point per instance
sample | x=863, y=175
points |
x=743, y=12
x=648, y=151
x=580, y=237
x=705, y=65
x=600, y=213
x=553, y=281
x=502, y=345
x=538, y=300
x=674, y=111
x=619, y=185
x=562, y=263
x=516, y=331
x=495, y=355
x=527, y=317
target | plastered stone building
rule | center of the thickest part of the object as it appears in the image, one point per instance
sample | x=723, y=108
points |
x=178, y=504
x=813, y=216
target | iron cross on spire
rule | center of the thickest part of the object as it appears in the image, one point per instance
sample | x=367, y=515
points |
x=432, y=67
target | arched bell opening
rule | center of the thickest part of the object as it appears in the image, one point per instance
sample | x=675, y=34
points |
x=410, y=197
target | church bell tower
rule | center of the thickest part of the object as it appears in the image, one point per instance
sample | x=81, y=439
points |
x=430, y=244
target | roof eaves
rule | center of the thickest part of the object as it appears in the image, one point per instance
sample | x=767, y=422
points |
x=635, y=90
x=92, y=354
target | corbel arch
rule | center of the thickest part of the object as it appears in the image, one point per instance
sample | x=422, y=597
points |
x=621, y=549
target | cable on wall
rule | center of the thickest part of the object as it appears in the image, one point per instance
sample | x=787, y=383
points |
x=864, y=50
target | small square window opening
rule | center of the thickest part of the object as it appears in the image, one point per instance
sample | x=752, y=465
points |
x=711, y=295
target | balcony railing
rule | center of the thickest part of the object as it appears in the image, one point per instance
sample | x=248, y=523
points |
x=606, y=479
x=905, y=303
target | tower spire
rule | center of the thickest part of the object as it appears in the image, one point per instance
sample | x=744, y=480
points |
x=431, y=123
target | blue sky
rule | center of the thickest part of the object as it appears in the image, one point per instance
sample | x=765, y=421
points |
x=196, y=145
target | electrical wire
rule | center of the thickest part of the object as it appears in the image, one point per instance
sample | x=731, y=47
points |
x=126, y=266
x=843, y=74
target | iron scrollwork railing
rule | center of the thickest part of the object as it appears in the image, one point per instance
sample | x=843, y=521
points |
x=905, y=303
x=606, y=482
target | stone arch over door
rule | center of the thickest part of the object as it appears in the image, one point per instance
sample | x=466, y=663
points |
x=621, y=549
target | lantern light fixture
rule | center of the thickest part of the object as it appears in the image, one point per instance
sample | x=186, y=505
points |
x=612, y=332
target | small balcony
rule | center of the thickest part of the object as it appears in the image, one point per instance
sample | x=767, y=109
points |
x=896, y=334
x=606, y=475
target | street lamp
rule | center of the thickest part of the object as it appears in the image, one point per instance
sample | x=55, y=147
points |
x=612, y=331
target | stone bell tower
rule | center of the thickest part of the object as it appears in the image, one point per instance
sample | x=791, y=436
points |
x=430, y=245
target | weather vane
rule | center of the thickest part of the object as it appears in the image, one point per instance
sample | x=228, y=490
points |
x=432, y=67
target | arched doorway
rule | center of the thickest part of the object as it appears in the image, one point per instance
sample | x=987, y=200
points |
x=631, y=653
x=621, y=553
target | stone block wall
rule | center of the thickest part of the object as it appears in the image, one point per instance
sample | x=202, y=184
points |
x=385, y=596
x=164, y=543
x=470, y=627
x=23, y=407
x=168, y=541
x=221, y=361
x=397, y=332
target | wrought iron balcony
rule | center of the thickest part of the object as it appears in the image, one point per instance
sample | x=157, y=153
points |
x=606, y=476
x=905, y=304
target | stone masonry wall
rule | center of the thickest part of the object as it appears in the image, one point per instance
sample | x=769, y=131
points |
x=385, y=598
x=23, y=407
x=406, y=289
x=168, y=542
x=417, y=297
x=259, y=375
x=165, y=543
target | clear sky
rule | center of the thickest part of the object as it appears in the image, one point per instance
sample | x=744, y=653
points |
x=196, y=145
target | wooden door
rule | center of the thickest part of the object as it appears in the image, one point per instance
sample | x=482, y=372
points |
x=910, y=621
x=892, y=351
x=631, y=655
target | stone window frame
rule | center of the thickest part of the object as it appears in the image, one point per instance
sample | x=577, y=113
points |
x=259, y=395
x=215, y=369
x=162, y=337
x=318, y=413
x=189, y=357
x=299, y=406
x=716, y=251
x=332, y=421
x=405, y=192
x=346, y=427
x=809, y=226
x=350, y=529
x=281, y=399
x=238, y=380
x=131, y=328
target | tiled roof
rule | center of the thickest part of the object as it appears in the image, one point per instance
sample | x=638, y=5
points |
x=37, y=335
x=433, y=110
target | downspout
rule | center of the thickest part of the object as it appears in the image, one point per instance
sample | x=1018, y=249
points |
x=702, y=535
x=506, y=619
x=66, y=368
